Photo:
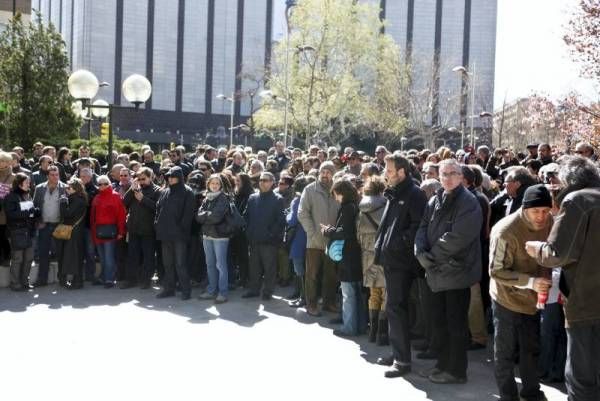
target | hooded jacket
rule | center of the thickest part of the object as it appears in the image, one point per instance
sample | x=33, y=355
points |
x=447, y=243
x=175, y=210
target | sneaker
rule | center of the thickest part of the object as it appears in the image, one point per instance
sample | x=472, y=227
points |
x=220, y=299
x=206, y=296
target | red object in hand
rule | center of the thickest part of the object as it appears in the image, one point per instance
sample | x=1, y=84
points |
x=542, y=299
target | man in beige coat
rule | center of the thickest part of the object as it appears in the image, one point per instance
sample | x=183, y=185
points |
x=318, y=206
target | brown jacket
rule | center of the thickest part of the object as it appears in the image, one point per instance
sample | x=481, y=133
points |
x=511, y=266
x=574, y=244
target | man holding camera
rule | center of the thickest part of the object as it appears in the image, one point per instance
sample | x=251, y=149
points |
x=140, y=201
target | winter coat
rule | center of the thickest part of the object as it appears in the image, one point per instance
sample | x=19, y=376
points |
x=72, y=209
x=499, y=204
x=349, y=268
x=15, y=217
x=447, y=243
x=107, y=208
x=140, y=217
x=175, y=210
x=298, y=247
x=317, y=206
x=6, y=179
x=265, y=218
x=394, y=247
x=573, y=243
x=91, y=191
x=372, y=206
x=211, y=216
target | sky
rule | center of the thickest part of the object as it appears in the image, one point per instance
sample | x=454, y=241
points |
x=530, y=53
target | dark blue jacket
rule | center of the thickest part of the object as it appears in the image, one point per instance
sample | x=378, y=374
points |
x=298, y=248
x=265, y=216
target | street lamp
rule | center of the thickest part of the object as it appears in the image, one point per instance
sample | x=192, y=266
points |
x=402, y=141
x=83, y=86
x=471, y=77
x=232, y=100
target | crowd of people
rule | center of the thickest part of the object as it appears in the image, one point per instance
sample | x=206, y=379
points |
x=431, y=250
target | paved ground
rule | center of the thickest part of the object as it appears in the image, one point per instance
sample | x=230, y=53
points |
x=106, y=345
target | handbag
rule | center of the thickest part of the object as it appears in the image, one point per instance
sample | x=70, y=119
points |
x=335, y=250
x=106, y=231
x=64, y=231
x=234, y=222
x=20, y=238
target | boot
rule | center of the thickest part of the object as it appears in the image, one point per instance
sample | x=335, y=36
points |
x=373, y=324
x=382, y=333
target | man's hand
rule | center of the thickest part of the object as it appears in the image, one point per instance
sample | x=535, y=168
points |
x=541, y=284
x=138, y=195
x=120, y=237
x=533, y=248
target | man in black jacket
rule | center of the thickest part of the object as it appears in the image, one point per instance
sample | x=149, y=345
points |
x=447, y=246
x=516, y=181
x=173, y=221
x=394, y=250
x=266, y=221
x=86, y=175
x=140, y=201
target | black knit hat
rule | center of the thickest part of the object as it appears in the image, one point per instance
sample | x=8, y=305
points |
x=537, y=196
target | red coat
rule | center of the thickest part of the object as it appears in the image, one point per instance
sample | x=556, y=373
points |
x=107, y=208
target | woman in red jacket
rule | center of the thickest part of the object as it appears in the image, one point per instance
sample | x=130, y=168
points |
x=107, y=220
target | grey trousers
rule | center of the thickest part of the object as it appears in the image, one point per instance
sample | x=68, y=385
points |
x=263, y=268
x=20, y=265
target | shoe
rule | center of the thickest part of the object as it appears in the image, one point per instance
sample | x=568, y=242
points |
x=40, y=283
x=220, y=299
x=249, y=294
x=476, y=346
x=397, y=371
x=298, y=303
x=427, y=355
x=313, y=312
x=336, y=320
x=267, y=297
x=74, y=286
x=123, y=285
x=185, y=296
x=165, y=294
x=446, y=378
x=331, y=308
x=109, y=284
x=206, y=296
x=385, y=360
x=428, y=372
x=341, y=333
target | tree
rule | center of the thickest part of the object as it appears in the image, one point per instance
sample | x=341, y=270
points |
x=340, y=65
x=583, y=37
x=33, y=85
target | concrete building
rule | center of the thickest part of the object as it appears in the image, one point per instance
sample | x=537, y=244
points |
x=441, y=35
x=10, y=7
x=191, y=51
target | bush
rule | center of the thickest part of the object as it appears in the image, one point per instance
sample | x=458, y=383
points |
x=99, y=146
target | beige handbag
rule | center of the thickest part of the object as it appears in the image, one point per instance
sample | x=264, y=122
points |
x=63, y=231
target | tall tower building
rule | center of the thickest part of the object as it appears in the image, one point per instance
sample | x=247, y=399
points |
x=191, y=51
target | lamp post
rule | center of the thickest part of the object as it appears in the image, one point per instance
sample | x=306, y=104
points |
x=485, y=114
x=232, y=100
x=83, y=86
x=471, y=78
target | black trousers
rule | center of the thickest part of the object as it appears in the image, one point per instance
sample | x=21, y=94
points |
x=398, y=283
x=174, y=260
x=141, y=252
x=196, y=259
x=450, y=317
x=263, y=262
x=582, y=372
x=516, y=336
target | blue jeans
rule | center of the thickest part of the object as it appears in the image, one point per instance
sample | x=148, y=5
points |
x=353, y=313
x=106, y=252
x=298, y=266
x=90, y=254
x=44, y=246
x=216, y=265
